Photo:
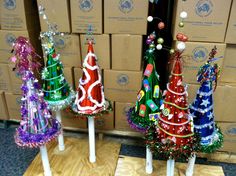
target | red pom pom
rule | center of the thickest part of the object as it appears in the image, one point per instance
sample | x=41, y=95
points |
x=161, y=25
x=179, y=36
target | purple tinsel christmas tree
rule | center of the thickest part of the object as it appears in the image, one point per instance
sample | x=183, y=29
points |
x=37, y=126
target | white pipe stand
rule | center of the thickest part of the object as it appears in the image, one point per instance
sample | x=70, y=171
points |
x=60, y=137
x=190, y=167
x=92, y=155
x=46, y=165
x=149, y=167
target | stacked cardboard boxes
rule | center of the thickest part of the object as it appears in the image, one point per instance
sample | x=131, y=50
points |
x=17, y=18
x=206, y=28
x=126, y=22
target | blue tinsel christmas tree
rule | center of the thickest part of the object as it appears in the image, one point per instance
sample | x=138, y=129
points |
x=202, y=107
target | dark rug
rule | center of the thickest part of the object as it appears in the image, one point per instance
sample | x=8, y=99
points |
x=14, y=160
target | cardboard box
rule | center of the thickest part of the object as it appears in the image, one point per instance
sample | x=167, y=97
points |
x=206, y=21
x=126, y=52
x=69, y=76
x=229, y=132
x=125, y=16
x=78, y=72
x=15, y=80
x=229, y=66
x=196, y=54
x=84, y=13
x=122, y=86
x=231, y=30
x=68, y=46
x=120, y=116
x=8, y=37
x=57, y=12
x=69, y=120
x=101, y=49
x=5, y=83
x=19, y=15
x=106, y=121
x=224, y=100
x=13, y=105
x=224, y=103
x=3, y=107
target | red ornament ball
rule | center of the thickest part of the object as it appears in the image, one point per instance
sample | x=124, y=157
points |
x=161, y=25
x=54, y=55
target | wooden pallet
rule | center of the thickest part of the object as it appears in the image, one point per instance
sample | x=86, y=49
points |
x=132, y=166
x=74, y=160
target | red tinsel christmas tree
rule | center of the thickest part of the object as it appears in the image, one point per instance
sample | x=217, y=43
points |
x=174, y=137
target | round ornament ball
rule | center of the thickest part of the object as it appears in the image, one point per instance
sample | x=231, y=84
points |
x=160, y=40
x=148, y=41
x=150, y=18
x=183, y=15
x=159, y=47
x=161, y=25
x=152, y=45
x=181, y=46
x=181, y=24
x=172, y=51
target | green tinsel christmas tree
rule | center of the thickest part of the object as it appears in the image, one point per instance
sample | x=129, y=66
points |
x=149, y=98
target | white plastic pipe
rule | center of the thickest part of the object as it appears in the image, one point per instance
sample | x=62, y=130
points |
x=60, y=138
x=149, y=168
x=92, y=156
x=170, y=169
x=46, y=165
x=190, y=167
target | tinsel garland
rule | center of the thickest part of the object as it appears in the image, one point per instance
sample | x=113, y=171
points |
x=62, y=104
x=215, y=145
x=168, y=150
x=131, y=116
x=25, y=139
x=106, y=110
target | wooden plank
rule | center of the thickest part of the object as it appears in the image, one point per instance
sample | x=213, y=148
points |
x=74, y=160
x=136, y=167
x=226, y=157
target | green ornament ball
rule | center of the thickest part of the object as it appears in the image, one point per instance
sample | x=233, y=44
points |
x=152, y=45
x=181, y=24
x=172, y=51
x=160, y=40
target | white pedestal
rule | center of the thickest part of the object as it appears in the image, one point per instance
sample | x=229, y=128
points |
x=60, y=138
x=170, y=169
x=190, y=167
x=149, y=167
x=46, y=165
x=92, y=156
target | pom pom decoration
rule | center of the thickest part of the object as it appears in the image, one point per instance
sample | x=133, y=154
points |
x=183, y=15
x=161, y=25
x=149, y=18
x=181, y=46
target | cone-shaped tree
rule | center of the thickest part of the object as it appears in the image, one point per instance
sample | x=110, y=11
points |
x=90, y=98
x=202, y=107
x=37, y=127
x=149, y=98
x=174, y=137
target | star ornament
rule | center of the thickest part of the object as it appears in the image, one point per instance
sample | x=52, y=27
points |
x=210, y=116
x=205, y=103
